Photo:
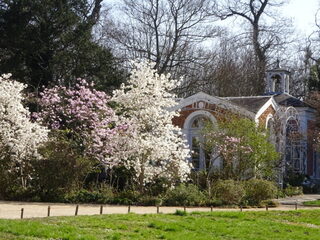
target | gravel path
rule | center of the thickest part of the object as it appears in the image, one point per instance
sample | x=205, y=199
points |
x=12, y=210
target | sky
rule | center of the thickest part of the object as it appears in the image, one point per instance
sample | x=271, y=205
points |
x=303, y=14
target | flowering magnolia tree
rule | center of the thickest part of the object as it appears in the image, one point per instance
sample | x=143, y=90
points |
x=243, y=148
x=19, y=137
x=155, y=147
x=83, y=113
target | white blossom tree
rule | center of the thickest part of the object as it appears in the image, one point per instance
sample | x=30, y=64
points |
x=155, y=147
x=19, y=137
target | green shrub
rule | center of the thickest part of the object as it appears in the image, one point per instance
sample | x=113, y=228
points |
x=147, y=200
x=103, y=195
x=229, y=192
x=157, y=187
x=269, y=203
x=180, y=213
x=292, y=191
x=257, y=190
x=215, y=202
x=293, y=178
x=184, y=195
x=126, y=197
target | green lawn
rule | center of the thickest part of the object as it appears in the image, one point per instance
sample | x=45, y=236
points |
x=313, y=203
x=217, y=225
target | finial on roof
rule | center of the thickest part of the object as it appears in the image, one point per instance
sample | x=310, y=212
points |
x=278, y=63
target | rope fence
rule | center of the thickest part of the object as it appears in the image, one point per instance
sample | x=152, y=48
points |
x=75, y=210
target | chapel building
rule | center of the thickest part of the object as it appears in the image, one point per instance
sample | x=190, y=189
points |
x=293, y=117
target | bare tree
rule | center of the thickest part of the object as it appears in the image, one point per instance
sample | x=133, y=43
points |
x=267, y=30
x=167, y=32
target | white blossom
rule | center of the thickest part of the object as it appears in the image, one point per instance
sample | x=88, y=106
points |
x=155, y=147
x=19, y=137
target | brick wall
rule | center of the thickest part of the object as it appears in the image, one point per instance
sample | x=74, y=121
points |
x=264, y=115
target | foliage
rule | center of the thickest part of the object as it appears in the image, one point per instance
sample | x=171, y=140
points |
x=83, y=113
x=44, y=41
x=184, y=195
x=103, y=195
x=293, y=178
x=146, y=200
x=127, y=197
x=180, y=213
x=313, y=80
x=293, y=190
x=19, y=137
x=60, y=155
x=243, y=147
x=154, y=148
x=229, y=192
x=257, y=190
x=269, y=203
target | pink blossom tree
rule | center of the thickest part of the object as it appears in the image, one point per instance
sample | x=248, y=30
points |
x=84, y=115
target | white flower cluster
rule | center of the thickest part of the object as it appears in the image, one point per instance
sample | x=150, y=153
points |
x=19, y=137
x=155, y=147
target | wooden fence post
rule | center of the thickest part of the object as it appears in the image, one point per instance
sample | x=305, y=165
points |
x=101, y=209
x=22, y=210
x=48, y=211
x=76, y=212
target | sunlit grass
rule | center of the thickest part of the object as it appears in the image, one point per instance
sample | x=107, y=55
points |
x=215, y=225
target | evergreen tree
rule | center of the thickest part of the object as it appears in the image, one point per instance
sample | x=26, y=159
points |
x=44, y=41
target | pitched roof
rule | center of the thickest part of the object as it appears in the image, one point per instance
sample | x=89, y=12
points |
x=251, y=103
x=221, y=102
x=288, y=100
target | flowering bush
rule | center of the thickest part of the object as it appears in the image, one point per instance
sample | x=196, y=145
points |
x=243, y=148
x=83, y=113
x=155, y=147
x=19, y=137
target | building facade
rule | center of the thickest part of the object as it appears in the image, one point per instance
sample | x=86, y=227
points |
x=290, y=121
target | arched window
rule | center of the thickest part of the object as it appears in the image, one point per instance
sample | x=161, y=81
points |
x=276, y=83
x=293, y=146
x=270, y=125
x=193, y=129
x=200, y=157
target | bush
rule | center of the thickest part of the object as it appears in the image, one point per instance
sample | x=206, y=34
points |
x=103, y=195
x=150, y=201
x=292, y=191
x=185, y=195
x=269, y=203
x=229, y=192
x=215, y=202
x=180, y=213
x=293, y=178
x=62, y=170
x=257, y=190
x=126, y=197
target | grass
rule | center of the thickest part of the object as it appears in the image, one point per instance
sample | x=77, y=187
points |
x=278, y=225
x=313, y=203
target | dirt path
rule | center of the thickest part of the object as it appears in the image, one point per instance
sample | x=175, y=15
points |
x=12, y=210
